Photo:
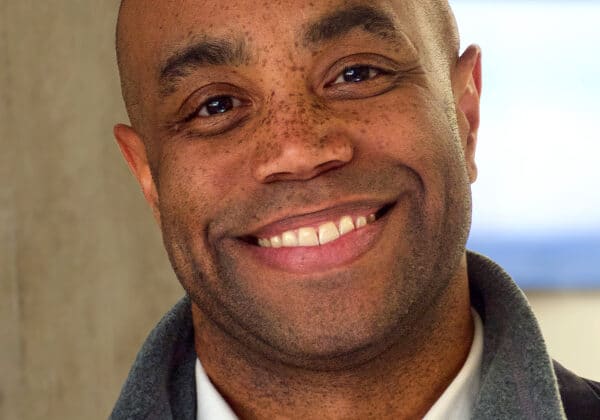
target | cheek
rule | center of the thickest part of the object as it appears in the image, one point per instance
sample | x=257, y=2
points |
x=193, y=184
x=413, y=129
x=416, y=132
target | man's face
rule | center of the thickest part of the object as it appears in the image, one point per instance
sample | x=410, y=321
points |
x=276, y=122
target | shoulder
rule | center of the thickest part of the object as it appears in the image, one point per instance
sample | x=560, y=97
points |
x=580, y=397
x=161, y=382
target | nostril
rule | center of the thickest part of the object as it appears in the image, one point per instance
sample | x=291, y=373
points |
x=328, y=166
x=301, y=161
x=278, y=176
x=305, y=173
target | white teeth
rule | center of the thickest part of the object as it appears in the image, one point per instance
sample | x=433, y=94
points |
x=328, y=233
x=276, y=242
x=289, y=238
x=307, y=237
x=265, y=243
x=361, y=222
x=346, y=225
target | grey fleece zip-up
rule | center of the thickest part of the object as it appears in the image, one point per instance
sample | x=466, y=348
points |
x=517, y=376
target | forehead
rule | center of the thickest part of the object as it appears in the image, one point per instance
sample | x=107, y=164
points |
x=154, y=28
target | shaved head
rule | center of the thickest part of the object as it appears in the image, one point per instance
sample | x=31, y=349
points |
x=123, y=44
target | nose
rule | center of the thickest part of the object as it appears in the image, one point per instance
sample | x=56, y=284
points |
x=300, y=150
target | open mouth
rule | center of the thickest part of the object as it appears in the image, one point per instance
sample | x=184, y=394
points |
x=321, y=234
x=315, y=243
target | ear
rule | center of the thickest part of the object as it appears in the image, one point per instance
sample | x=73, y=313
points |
x=466, y=86
x=134, y=151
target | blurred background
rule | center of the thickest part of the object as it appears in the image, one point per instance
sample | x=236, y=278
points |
x=537, y=198
x=84, y=277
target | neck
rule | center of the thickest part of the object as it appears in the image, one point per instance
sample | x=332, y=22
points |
x=404, y=381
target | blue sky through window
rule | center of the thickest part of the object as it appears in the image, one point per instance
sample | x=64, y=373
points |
x=537, y=199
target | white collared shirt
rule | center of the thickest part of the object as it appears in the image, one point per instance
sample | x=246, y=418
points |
x=456, y=403
x=210, y=404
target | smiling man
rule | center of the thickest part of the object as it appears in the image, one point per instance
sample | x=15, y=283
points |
x=309, y=165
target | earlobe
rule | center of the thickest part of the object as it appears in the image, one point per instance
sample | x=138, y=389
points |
x=466, y=86
x=135, y=154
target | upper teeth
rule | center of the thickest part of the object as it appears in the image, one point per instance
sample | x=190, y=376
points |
x=309, y=236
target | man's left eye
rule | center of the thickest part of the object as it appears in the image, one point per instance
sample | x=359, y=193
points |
x=218, y=105
x=356, y=74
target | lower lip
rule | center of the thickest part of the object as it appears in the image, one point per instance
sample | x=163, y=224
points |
x=342, y=251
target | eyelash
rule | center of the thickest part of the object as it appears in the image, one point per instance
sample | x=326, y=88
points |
x=197, y=112
x=373, y=73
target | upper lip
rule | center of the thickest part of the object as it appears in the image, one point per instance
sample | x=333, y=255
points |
x=286, y=221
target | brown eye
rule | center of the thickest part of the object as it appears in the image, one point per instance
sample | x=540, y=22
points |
x=218, y=105
x=357, y=74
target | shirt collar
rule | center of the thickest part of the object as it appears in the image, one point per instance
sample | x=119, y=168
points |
x=211, y=405
x=459, y=398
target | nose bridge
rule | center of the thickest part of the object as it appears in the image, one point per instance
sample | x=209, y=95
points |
x=298, y=141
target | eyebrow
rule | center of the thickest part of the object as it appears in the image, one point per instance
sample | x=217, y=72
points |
x=340, y=22
x=210, y=51
x=207, y=52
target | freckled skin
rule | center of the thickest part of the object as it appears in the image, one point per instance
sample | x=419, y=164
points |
x=380, y=338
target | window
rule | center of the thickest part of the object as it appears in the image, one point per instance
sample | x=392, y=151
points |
x=537, y=199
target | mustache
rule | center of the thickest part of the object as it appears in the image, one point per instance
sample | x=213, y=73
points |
x=377, y=183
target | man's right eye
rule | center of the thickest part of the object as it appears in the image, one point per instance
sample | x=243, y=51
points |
x=205, y=115
x=218, y=105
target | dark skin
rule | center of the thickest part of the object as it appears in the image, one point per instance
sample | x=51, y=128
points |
x=379, y=336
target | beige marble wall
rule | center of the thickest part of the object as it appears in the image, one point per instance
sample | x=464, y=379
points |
x=570, y=322
x=83, y=276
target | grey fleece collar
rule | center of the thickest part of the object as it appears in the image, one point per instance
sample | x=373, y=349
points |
x=161, y=382
x=517, y=378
